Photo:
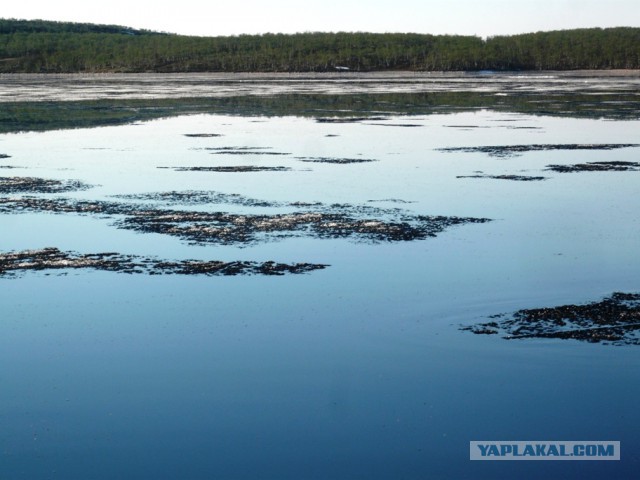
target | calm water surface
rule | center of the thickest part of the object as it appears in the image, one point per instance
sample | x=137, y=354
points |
x=356, y=371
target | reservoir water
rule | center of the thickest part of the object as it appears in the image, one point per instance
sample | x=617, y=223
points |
x=357, y=367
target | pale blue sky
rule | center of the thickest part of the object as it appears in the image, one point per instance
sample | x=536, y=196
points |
x=231, y=17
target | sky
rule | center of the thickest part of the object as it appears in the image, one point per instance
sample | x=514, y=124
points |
x=483, y=18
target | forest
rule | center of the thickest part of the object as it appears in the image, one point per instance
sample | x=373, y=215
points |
x=58, y=47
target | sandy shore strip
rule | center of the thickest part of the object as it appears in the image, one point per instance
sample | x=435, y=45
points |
x=78, y=87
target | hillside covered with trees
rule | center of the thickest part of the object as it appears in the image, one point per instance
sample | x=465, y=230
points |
x=56, y=47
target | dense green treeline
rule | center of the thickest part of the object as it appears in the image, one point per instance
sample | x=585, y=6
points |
x=44, y=26
x=51, y=47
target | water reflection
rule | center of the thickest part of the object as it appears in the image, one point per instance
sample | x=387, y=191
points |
x=355, y=370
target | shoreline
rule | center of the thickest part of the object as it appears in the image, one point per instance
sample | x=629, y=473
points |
x=347, y=74
x=40, y=87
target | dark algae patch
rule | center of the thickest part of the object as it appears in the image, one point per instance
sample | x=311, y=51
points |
x=244, y=151
x=200, y=197
x=618, y=166
x=248, y=152
x=613, y=166
x=192, y=197
x=203, y=135
x=9, y=185
x=357, y=223
x=52, y=259
x=236, y=149
x=61, y=206
x=335, y=221
x=514, y=150
x=230, y=169
x=406, y=125
x=614, y=320
x=517, y=178
x=390, y=200
x=337, y=161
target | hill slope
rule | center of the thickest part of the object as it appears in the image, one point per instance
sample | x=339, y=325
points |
x=53, y=47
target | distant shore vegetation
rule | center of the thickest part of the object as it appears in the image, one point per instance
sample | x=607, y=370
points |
x=35, y=46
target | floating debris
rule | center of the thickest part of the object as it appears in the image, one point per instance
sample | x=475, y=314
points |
x=518, y=178
x=359, y=223
x=203, y=135
x=596, y=167
x=9, y=167
x=514, y=150
x=235, y=169
x=39, y=185
x=4, y=155
x=339, y=161
x=614, y=320
x=13, y=263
